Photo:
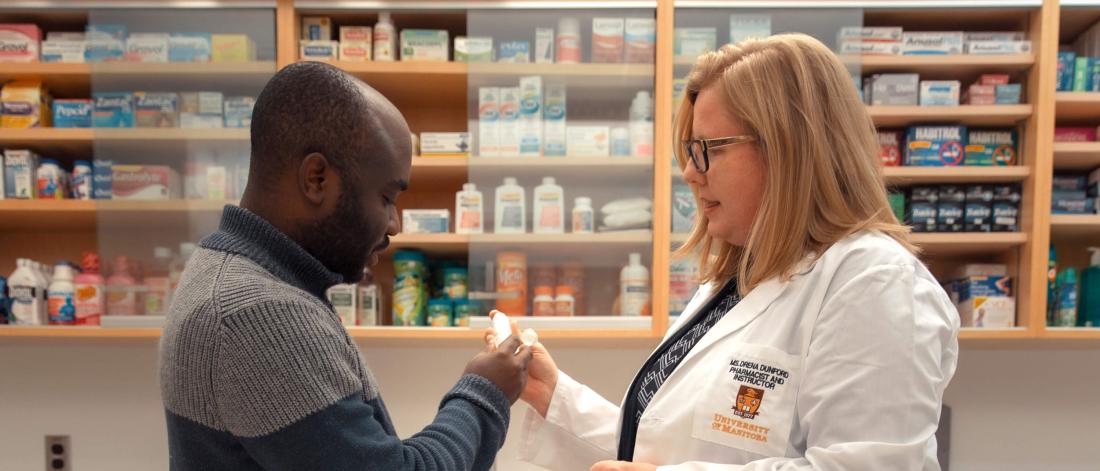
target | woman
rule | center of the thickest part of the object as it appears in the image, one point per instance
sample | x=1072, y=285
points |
x=818, y=340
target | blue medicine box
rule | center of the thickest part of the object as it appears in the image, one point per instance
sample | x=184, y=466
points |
x=76, y=113
x=113, y=110
x=1066, y=61
x=189, y=47
x=982, y=286
x=935, y=146
x=101, y=179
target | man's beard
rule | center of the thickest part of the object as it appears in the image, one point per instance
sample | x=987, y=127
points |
x=341, y=241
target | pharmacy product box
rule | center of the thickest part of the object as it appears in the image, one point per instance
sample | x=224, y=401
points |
x=202, y=110
x=870, y=48
x=950, y=209
x=870, y=34
x=356, y=33
x=641, y=40
x=530, y=116
x=982, y=285
x=990, y=147
x=978, y=94
x=425, y=221
x=189, y=47
x=476, y=49
x=1069, y=182
x=316, y=28
x=922, y=208
x=607, y=40
x=1074, y=134
x=749, y=25
x=24, y=104
x=935, y=146
x=939, y=92
x=3, y=179
x=201, y=121
x=1070, y=202
x=509, y=122
x=553, y=123
x=20, y=170
x=979, y=209
x=990, y=312
x=897, y=204
x=72, y=113
x=890, y=147
x=424, y=44
x=689, y=43
x=144, y=182
x=1066, y=61
x=517, y=52
x=355, y=51
x=64, y=50
x=444, y=144
x=217, y=183
x=1093, y=183
x=1006, y=208
x=993, y=79
x=113, y=110
x=895, y=89
x=488, y=121
x=979, y=269
x=232, y=48
x=147, y=47
x=931, y=42
x=1008, y=94
x=238, y=111
x=156, y=110
x=101, y=179
x=19, y=42
x=974, y=36
x=683, y=209
x=325, y=50
x=998, y=47
x=588, y=141
x=106, y=43
x=544, y=45
x=1082, y=74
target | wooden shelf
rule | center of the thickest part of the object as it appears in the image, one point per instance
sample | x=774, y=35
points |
x=970, y=115
x=75, y=80
x=936, y=244
x=50, y=215
x=962, y=174
x=1074, y=227
x=457, y=244
x=79, y=142
x=1076, y=155
x=1092, y=333
x=1077, y=107
x=942, y=66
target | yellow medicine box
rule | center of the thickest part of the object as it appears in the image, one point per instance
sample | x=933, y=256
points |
x=232, y=48
x=24, y=104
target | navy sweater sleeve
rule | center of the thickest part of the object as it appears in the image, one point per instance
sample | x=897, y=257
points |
x=297, y=396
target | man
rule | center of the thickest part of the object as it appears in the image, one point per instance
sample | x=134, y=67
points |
x=256, y=370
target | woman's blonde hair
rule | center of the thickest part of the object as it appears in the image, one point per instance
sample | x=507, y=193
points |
x=823, y=178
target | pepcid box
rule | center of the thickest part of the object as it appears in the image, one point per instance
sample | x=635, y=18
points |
x=156, y=110
x=935, y=146
x=113, y=110
x=72, y=113
x=990, y=147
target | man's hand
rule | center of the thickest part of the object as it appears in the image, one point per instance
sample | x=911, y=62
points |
x=506, y=367
x=542, y=371
x=622, y=466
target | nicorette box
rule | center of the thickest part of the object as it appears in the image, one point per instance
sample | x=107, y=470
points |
x=147, y=47
x=935, y=146
x=189, y=47
x=156, y=110
x=144, y=182
x=19, y=42
x=72, y=113
x=989, y=147
x=113, y=110
x=238, y=111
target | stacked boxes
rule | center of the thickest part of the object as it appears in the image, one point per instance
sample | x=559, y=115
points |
x=972, y=208
x=935, y=146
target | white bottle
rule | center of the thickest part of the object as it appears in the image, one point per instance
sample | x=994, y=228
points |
x=568, y=44
x=549, y=207
x=634, y=287
x=27, y=305
x=641, y=125
x=584, y=219
x=342, y=298
x=61, y=297
x=384, y=38
x=510, y=210
x=469, y=210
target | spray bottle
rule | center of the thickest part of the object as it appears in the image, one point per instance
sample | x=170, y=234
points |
x=1088, y=313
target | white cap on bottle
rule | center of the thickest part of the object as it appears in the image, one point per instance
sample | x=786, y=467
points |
x=547, y=180
x=509, y=180
x=469, y=187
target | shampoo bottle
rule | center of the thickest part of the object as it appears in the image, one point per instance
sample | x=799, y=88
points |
x=634, y=288
x=469, y=209
x=91, y=299
x=549, y=207
x=1067, y=298
x=59, y=304
x=384, y=38
x=510, y=211
x=641, y=125
x=1088, y=313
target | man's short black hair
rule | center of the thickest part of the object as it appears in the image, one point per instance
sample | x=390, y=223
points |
x=307, y=107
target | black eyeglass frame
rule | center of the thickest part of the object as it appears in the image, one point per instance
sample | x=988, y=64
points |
x=696, y=148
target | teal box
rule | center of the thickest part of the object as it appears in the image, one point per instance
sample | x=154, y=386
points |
x=113, y=110
x=990, y=147
x=935, y=146
x=1066, y=60
x=1009, y=94
x=1082, y=74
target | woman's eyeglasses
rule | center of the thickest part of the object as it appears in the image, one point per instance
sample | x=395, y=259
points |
x=697, y=149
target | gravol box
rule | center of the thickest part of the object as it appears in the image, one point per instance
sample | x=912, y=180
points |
x=990, y=147
x=156, y=110
x=935, y=146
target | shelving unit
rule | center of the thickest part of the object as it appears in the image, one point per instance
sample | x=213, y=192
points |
x=970, y=115
x=963, y=174
x=1081, y=156
x=1077, y=106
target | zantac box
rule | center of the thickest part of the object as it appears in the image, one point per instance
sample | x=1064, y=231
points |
x=935, y=146
x=144, y=182
x=72, y=113
x=19, y=42
x=156, y=110
x=113, y=110
x=989, y=147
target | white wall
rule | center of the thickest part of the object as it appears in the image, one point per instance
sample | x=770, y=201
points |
x=1013, y=410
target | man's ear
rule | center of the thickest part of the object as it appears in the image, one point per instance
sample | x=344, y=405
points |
x=314, y=178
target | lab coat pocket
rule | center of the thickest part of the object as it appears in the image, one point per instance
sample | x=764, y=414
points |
x=749, y=401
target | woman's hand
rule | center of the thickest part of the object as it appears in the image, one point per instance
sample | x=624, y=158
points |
x=622, y=466
x=542, y=372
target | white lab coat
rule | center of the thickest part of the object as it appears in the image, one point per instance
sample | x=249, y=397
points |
x=852, y=356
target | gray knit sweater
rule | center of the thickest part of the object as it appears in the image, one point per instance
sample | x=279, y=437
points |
x=257, y=372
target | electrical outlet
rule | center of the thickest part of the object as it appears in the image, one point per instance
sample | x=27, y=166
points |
x=58, y=452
